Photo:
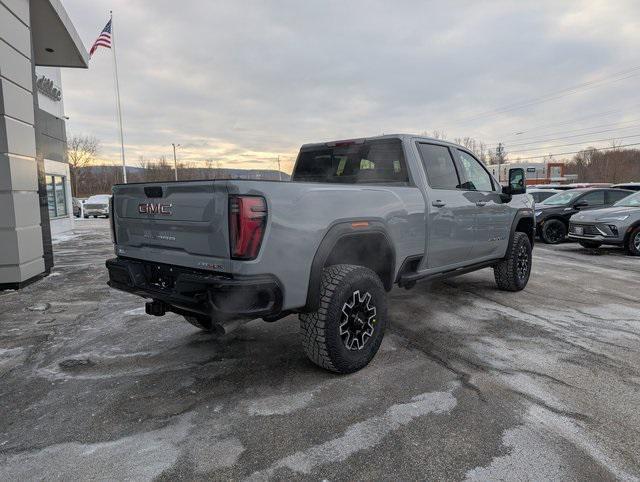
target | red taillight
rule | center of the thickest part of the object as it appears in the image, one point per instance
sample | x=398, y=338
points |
x=247, y=220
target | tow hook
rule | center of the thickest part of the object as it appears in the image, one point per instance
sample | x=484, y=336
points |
x=155, y=308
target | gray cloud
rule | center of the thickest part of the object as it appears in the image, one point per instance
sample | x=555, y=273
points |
x=260, y=78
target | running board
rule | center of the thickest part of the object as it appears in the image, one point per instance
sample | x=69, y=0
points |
x=410, y=279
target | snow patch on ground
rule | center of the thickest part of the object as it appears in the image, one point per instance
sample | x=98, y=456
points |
x=62, y=237
x=136, y=311
x=279, y=404
x=142, y=456
x=219, y=454
x=363, y=435
x=531, y=452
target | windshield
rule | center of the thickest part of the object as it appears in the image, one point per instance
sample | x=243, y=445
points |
x=561, y=198
x=632, y=201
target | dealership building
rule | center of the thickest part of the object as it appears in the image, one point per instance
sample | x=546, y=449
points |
x=37, y=38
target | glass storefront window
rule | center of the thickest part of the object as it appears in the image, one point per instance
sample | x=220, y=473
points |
x=56, y=196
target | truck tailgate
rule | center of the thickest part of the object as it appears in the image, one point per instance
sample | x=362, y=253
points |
x=189, y=217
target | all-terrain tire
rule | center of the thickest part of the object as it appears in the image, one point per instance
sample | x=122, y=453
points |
x=554, y=231
x=202, y=323
x=633, y=244
x=512, y=273
x=344, y=334
x=590, y=244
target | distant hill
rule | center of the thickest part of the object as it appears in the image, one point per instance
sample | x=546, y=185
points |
x=187, y=173
x=90, y=180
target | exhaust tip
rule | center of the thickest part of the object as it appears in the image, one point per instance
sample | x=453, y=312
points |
x=155, y=308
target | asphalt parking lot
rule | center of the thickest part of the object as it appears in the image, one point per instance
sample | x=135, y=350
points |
x=470, y=383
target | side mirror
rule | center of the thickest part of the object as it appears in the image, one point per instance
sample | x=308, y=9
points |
x=517, y=184
x=581, y=204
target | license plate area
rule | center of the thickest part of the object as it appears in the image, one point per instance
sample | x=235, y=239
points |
x=579, y=230
x=160, y=277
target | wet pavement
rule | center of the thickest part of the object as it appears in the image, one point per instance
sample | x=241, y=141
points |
x=470, y=382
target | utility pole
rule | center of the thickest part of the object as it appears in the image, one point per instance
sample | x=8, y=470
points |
x=279, y=171
x=499, y=154
x=175, y=161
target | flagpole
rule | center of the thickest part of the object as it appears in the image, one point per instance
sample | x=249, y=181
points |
x=115, y=72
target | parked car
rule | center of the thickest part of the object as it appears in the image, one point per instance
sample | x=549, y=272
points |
x=576, y=185
x=358, y=217
x=616, y=225
x=632, y=186
x=540, y=195
x=557, y=187
x=553, y=214
x=97, y=205
x=77, y=202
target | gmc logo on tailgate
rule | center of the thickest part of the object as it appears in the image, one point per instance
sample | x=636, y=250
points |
x=154, y=208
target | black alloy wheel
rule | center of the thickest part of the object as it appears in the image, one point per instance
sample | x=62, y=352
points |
x=358, y=320
x=554, y=231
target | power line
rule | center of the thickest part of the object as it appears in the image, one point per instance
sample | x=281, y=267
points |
x=615, y=77
x=575, y=143
x=575, y=152
x=536, y=138
x=572, y=136
x=573, y=120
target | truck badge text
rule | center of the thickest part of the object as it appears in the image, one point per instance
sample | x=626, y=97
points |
x=154, y=208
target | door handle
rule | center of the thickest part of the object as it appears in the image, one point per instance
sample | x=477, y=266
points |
x=481, y=203
x=438, y=204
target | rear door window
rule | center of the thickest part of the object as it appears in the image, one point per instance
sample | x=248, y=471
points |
x=615, y=196
x=439, y=165
x=369, y=162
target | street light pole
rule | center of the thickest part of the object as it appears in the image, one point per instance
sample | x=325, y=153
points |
x=175, y=161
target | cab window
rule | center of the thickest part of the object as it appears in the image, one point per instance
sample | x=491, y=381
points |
x=439, y=165
x=474, y=176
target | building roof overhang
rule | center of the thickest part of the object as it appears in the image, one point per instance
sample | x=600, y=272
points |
x=56, y=42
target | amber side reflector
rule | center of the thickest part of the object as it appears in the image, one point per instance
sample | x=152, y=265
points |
x=360, y=224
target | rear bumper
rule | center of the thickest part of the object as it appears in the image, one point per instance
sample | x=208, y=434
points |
x=192, y=292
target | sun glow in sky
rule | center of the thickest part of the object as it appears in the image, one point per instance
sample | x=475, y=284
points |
x=242, y=83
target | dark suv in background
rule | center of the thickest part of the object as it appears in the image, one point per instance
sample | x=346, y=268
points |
x=552, y=215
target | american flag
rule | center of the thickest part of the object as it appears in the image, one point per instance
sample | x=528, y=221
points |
x=103, y=40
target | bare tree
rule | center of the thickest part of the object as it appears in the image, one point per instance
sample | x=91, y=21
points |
x=81, y=152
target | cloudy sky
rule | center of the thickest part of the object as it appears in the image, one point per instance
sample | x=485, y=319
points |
x=245, y=81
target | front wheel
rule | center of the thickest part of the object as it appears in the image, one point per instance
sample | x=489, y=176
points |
x=512, y=273
x=633, y=245
x=590, y=244
x=554, y=231
x=344, y=334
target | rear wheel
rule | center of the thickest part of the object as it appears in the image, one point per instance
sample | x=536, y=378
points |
x=590, y=244
x=512, y=273
x=633, y=245
x=344, y=334
x=554, y=231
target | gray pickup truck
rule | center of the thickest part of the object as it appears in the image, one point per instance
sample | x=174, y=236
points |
x=357, y=217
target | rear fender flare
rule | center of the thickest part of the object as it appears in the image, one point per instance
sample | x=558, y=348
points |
x=330, y=241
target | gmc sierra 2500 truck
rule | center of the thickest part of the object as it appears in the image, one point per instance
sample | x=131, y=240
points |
x=357, y=217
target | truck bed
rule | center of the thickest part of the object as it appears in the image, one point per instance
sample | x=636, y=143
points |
x=186, y=224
